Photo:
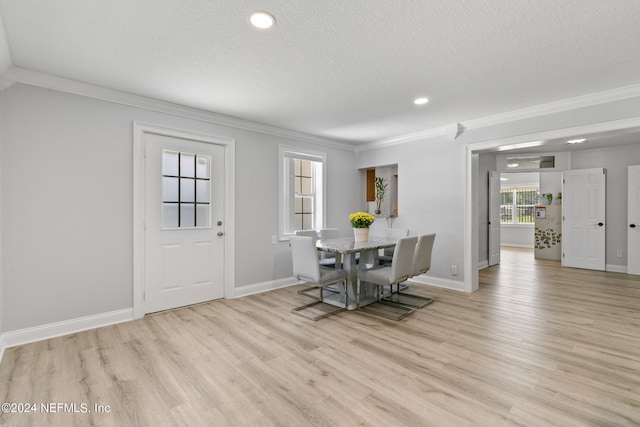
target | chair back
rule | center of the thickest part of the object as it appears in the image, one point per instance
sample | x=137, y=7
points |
x=422, y=256
x=305, y=258
x=329, y=233
x=309, y=233
x=394, y=233
x=402, y=262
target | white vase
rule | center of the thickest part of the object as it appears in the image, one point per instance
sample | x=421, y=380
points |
x=361, y=234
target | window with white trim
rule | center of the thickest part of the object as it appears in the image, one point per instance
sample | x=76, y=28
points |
x=517, y=204
x=302, y=195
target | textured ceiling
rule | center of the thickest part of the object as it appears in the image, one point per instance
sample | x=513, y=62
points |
x=340, y=69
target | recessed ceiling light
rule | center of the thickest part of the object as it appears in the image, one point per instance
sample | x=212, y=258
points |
x=420, y=101
x=262, y=20
x=513, y=165
x=576, y=141
x=504, y=179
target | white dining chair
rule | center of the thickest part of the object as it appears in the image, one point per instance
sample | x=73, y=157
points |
x=421, y=264
x=399, y=271
x=391, y=233
x=325, y=259
x=306, y=267
x=329, y=233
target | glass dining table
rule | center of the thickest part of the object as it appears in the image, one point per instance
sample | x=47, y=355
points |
x=349, y=255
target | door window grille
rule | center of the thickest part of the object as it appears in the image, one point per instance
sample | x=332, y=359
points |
x=186, y=190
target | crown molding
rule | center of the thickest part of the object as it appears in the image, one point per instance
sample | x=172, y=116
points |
x=47, y=81
x=415, y=136
x=568, y=104
x=563, y=105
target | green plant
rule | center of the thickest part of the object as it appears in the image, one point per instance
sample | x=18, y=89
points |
x=381, y=191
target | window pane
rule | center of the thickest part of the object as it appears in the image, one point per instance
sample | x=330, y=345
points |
x=187, y=212
x=306, y=168
x=169, y=163
x=202, y=167
x=169, y=189
x=307, y=221
x=203, y=215
x=202, y=191
x=306, y=185
x=302, y=192
x=187, y=190
x=169, y=215
x=187, y=165
x=307, y=205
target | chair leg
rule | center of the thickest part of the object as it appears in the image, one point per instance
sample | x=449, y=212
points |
x=300, y=311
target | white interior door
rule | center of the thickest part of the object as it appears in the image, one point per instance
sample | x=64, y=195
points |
x=583, y=213
x=494, y=218
x=184, y=234
x=633, y=218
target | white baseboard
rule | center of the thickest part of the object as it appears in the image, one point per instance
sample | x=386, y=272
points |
x=439, y=282
x=616, y=268
x=516, y=245
x=257, y=288
x=2, y=346
x=483, y=264
x=66, y=327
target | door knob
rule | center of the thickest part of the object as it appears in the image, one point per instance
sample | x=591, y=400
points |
x=632, y=225
x=220, y=233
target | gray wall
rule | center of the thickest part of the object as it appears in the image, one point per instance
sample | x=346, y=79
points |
x=432, y=172
x=67, y=189
x=430, y=195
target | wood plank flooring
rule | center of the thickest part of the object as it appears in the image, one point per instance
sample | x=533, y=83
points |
x=537, y=345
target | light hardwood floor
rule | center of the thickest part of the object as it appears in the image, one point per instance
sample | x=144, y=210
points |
x=537, y=345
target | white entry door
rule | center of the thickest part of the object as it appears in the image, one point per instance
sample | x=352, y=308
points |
x=184, y=224
x=633, y=218
x=583, y=213
x=494, y=218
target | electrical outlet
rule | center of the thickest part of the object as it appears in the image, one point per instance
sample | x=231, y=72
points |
x=619, y=254
x=454, y=270
x=274, y=239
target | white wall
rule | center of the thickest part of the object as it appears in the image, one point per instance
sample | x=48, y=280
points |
x=66, y=175
x=430, y=195
x=551, y=182
x=615, y=160
x=521, y=236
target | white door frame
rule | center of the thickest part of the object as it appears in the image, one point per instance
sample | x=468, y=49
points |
x=470, y=157
x=493, y=253
x=139, y=197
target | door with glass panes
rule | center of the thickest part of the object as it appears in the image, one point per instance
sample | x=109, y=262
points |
x=184, y=224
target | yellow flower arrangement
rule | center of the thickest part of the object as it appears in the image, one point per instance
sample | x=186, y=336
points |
x=361, y=220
